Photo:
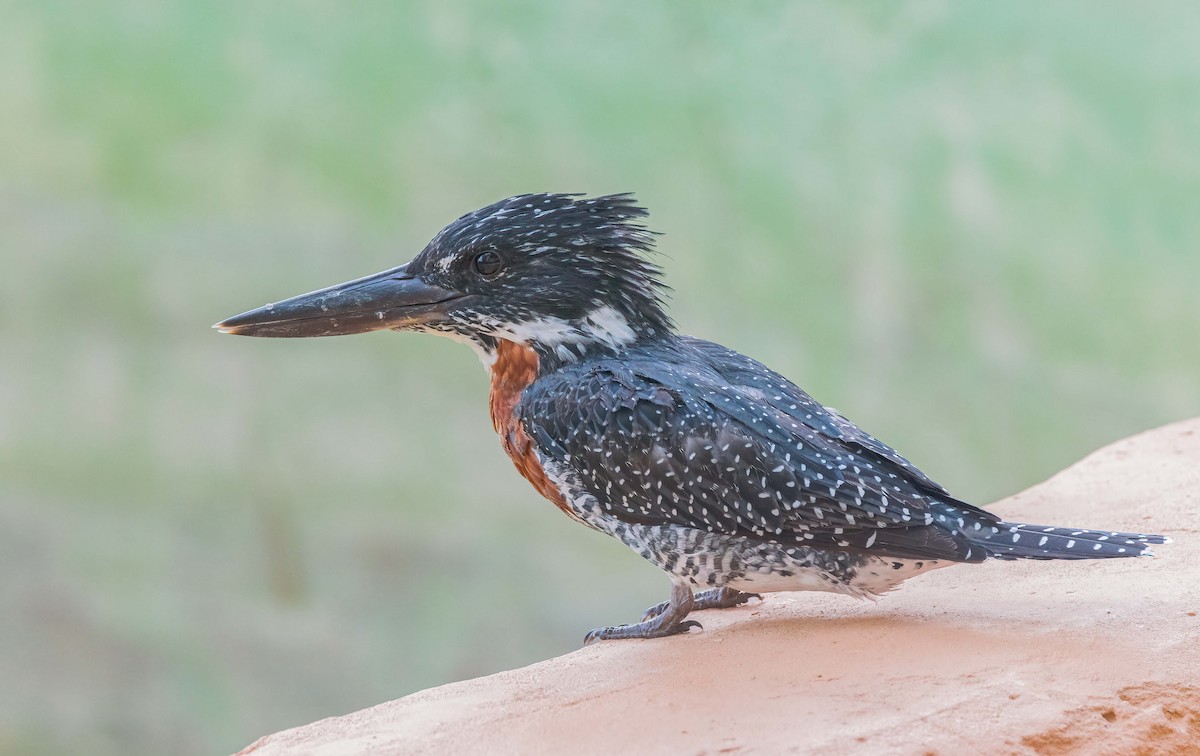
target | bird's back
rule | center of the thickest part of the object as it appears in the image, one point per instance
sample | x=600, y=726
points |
x=687, y=433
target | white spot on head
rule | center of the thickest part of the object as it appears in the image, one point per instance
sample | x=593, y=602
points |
x=608, y=326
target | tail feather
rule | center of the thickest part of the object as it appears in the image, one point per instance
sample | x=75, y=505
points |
x=1015, y=540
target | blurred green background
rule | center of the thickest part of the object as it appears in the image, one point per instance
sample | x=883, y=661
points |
x=972, y=227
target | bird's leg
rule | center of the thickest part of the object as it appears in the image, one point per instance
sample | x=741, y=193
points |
x=670, y=621
x=713, y=598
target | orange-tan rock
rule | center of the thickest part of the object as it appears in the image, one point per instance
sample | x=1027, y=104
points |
x=1016, y=657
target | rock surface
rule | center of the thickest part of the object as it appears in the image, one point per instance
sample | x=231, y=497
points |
x=1006, y=657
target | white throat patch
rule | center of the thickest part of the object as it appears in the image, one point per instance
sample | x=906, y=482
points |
x=488, y=358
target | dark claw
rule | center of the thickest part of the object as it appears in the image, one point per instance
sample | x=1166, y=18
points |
x=594, y=635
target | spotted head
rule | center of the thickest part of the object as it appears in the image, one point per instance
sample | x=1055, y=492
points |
x=563, y=275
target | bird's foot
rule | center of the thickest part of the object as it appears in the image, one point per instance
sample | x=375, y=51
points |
x=648, y=629
x=713, y=598
x=669, y=620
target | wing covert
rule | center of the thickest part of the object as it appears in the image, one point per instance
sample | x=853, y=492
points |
x=685, y=443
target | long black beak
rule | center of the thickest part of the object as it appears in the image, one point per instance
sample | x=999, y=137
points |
x=391, y=299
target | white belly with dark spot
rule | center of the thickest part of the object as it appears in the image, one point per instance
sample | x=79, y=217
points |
x=708, y=560
x=880, y=574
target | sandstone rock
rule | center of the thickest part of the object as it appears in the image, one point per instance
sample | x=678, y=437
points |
x=1017, y=657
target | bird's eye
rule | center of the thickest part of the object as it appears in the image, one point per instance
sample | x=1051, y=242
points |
x=487, y=264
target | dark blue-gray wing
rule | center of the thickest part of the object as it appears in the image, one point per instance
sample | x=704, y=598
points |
x=684, y=439
x=792, y=400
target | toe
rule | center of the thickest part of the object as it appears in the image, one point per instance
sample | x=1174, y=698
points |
x=687, y=625
x=654, y=611
x=595, y=635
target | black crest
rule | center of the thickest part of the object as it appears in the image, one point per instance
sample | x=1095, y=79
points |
x=563, y=257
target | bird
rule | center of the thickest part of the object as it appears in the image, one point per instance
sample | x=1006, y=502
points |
x=714, y=468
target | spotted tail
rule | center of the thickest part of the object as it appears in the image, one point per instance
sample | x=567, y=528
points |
x=1014, y=540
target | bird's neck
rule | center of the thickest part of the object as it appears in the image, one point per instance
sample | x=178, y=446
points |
x=513, y=367
x=543, y=344
x=558, y=342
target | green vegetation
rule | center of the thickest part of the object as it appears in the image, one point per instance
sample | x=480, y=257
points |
x=972, y=227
